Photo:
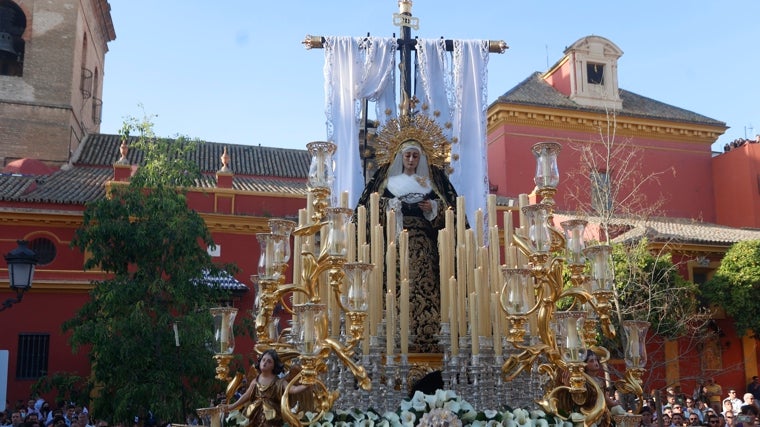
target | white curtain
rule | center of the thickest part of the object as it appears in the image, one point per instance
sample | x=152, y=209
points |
x=355, y=69
x=455, y=84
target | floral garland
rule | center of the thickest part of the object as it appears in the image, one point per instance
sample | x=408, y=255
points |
x=442, y=409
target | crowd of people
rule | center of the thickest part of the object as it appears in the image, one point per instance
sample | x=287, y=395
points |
x=707, y=406
x=738, y=142
x=37, y=412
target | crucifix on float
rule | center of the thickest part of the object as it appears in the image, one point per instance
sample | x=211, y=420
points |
x=348, y=156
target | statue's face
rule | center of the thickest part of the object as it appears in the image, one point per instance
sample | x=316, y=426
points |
x=411, y=159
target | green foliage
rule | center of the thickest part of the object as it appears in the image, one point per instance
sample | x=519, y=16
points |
x=650, y=287
x=736, y=284
x=153, y=248
x=68, y=387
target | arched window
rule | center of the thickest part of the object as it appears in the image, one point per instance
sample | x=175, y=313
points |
x=12, y=26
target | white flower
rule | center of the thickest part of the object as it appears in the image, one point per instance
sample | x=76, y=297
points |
x=537, y=413
x=493, y=423
x=466, y=406
x=490, y=414
x=453, y=405
x=328, y=416
x=509, y=423
x=408, y=418
x=383, y=423
x=541, y=422
x=506, y=415
x=372, y=416
x=432, y=401
x=522, y=418
x=445, y=395
x=237, y=417
x=469, y=415
x=478, y=424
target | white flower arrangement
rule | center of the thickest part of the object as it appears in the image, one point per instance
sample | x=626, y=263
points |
x=442, y=409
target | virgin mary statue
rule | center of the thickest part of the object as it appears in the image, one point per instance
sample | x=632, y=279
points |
x=411, y=180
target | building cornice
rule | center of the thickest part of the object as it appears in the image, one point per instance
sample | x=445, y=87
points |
x=502, y=114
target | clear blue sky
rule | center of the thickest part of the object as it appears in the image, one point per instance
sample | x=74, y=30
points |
x=235, y=71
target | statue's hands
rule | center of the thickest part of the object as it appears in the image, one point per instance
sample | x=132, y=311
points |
x=425, y=205
x=395, y=204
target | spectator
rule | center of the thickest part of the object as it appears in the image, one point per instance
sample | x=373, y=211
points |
x=754, y=388
x=691, y=409
x=713, y=420
x=694, y=420
x=676, y=419
x=729, y=417
x=713, y=391
x=16, y=420
x=736, y=403
x=646, y=416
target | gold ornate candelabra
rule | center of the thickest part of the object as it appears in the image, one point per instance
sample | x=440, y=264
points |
x=534, y=294
x=324, y=285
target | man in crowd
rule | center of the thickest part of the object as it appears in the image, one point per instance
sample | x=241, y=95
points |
x=736, y=403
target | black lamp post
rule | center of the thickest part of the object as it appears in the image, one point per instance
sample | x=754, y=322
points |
x=21, y=262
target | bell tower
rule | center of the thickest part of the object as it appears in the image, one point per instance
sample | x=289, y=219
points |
x=52, y=57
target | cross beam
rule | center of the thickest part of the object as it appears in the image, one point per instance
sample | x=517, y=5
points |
x=406, y=44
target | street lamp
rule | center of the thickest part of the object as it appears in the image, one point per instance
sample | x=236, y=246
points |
x=21, y=262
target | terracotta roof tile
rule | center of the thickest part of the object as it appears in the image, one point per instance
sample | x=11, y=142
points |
x=535, y=91
x=682, y=230
x=103, y=150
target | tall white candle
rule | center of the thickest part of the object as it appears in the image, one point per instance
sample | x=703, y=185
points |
x=404, y=255
x=361, y=227
x=461, y=218
x=454, y=319
x=351, y=251
x=374, y=209
x=308, y=331
x=225, y=332
x=479, y=228
x=496, y=324
x=474, y=338
x=390, y=225
x=443, y=283
x=344, y=199
x=390, y=328
x=404, y=316
x=491, y=206
x=633, y=338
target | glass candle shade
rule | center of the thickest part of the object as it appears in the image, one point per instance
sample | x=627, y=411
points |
x=224, y=337
x=337, y=236
x=283, y=227
x=257, y=297
x=635, y=345
x=538, y=227
x=312, y=327
x=547, y=172
x=272, y=255
x=514, y=293
x=574, y=243
x=321, y=173
x=569, y=326
x=355, y=296
x=602, y=273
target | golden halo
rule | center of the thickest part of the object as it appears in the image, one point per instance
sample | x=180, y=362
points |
x=417, y=127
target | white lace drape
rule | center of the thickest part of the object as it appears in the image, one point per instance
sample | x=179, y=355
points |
x=355, y=69
x=455, y=83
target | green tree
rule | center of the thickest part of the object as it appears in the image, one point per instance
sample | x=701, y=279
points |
x=650, y=287
x=736, y=284
x=152, y=246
